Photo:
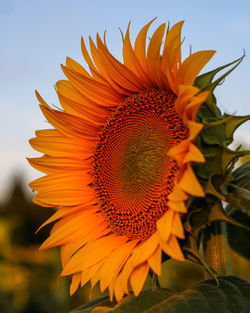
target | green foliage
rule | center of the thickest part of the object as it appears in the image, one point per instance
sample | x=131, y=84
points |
x=238, y=237
x=215, y=175
x=232, y=295
x=237, y=191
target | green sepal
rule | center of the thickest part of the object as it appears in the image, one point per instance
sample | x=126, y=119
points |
x=191, y=252
x=217, y=213
x=232, y=123
x=215, y=135
x=213, y=184
x=238, y=237
x=237, y=191
x=229, y=156
x=205, y=80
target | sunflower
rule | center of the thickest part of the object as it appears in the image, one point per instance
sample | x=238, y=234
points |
x=118, y=160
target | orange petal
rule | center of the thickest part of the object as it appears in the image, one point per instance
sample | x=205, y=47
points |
x=190, y=184
x=76, y=279
x=118, y=288
x=48, y=164
x=153, y=56
x=171, y=55
x=117, y=71
x=73, y=65
x=179, y=151
x=67, y=197
x=194, y=129
x=131, y=61
x=92, y=89
x=74, y=179
x=112, y=265
x=172, y=248
x=60, y=146
x=145, y=250
x=185, y=96
x=191, y=67
x=78, y=102
x=92, y=253
x=177, y=227
x=164, y=225
x=75, y=227
x=186, y=152
x=64, y=211
x=178, y=206
x=193, y=155
x=138, y=277
x=70, y=125
x=155, y=261
x=140, y=45
x=177, y=194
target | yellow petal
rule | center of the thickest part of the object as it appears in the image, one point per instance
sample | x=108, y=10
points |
x=145, y=250
x=76, y=279
x=177, y=195
x=64, y=211
x=74, y=101
x=193, y=155
x=138, y=277
x=191, y=67
x=179, y=151
x=87, y=274
x=178, y=206
x=111, y=267
x=185, y=96
x=153, y=56
x=177, y=227
x=155, y=261
x=190, y=184
x=61, y=146
x=75, y=227
x=172, y=48
x=164, y=225
x=92, y=253
x=118, y=288
x=172, y=248
x=73, y=65
x=70, y=125
x=194, y=129
x=49, y=165
x=140, y=45
x=131, y=61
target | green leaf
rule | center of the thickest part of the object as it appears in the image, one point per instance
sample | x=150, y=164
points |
x=231, y=296
x=229, y=156
x=203, y=81
x=238, y=237
x=232, y=123
x=237, y=191
x=214, y=135
x=139, y=304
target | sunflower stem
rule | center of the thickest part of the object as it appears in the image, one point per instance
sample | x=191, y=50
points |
x=215, y=248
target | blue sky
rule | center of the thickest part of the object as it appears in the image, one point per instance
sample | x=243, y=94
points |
x=36, y=36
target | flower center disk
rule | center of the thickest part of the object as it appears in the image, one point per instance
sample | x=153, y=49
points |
x=132, y=173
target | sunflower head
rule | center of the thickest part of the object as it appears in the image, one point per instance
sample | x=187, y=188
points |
x=119, y=161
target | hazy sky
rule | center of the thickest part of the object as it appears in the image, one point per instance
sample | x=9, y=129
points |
x=37, y=35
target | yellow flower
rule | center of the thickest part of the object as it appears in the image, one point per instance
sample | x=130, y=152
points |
x=118, y=160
